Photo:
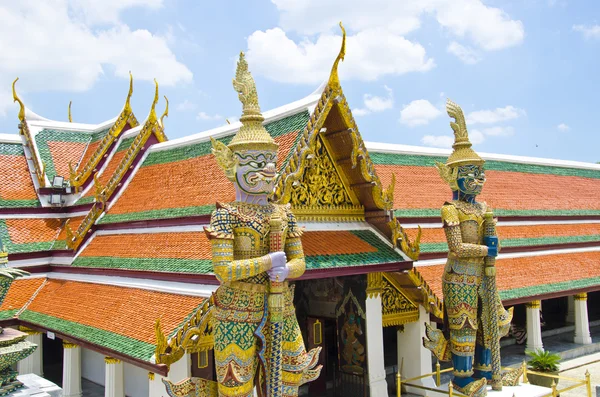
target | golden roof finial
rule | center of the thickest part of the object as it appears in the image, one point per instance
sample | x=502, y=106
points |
x=165, y=113
x=17, y=99
x=463, y=153
x=333, y=77
x=152, y=116
x=70, y=118
x=127, y=107
x=252, y=134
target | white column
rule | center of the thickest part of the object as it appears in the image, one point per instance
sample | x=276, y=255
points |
x=534, y=327
x=413, y=358
x=114, y=386
x=32, y=364
x=374, y=329
x=570, y=309
x=582, y=325
x=71, y=370
x=178, y=371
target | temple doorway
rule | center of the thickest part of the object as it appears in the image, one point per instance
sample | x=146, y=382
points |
x=52, y=359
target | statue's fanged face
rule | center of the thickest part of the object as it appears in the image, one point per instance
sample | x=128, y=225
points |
x=470, y=179
x=255, y=171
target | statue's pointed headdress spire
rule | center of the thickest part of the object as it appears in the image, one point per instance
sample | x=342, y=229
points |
x=252, y=134
x=463, y=154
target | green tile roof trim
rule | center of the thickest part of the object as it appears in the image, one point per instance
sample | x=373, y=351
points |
x=384, y=254
x=13, y=248
x=435, y=213
x=50, y=135
x=11, y=149
x=8, y=314
x=126, y=143
x=521, y=242
x=293, y=123
x=550, y=288
x=429, y=161
x=19, y=203
x=166, y=213
x=167, y=265
x=122, y=344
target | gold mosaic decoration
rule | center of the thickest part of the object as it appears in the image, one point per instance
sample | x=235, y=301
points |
x=321, y=194
x=80, y=175
x=397, y=308
x=411, y=249
x=39, y=166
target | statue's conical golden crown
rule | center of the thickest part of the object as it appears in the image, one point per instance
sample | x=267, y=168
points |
x=463, y=154
x=252, y=134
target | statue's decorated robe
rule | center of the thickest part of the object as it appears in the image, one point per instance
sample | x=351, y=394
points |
x=462, y=281
x=240, y=238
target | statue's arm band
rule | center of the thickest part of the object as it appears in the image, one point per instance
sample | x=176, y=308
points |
x=460, y=249
x=226, y=269
x=295, y=256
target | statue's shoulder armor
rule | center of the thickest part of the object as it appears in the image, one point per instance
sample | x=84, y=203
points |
x=221, y=223
x=294, y=230
x=450, y=215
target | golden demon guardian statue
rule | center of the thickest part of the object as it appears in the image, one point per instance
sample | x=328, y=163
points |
x=256, y=247
x=473, y=311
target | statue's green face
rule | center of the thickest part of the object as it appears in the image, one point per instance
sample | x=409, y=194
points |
x=256, y=171
x=351, y=319
x=470, y=179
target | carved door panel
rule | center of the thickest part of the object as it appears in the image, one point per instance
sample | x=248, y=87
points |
x=203, y=365
x=316, y=338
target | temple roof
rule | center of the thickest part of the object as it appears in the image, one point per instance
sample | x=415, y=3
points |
x=117, y=318
x=17, y=189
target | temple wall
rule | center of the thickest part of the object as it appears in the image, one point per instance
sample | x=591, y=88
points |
x=136, y=381
x=92, y=366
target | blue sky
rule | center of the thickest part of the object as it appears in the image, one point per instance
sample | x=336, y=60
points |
x=526, y=72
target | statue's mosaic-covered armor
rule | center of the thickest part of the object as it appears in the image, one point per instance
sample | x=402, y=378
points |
x=239, y=234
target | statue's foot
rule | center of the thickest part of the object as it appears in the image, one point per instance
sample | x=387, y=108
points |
x=511, y=378
x=476, y=388
x=478, y=374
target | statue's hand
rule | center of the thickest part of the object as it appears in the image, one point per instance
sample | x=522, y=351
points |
x=278, y=259
x=278, y=273
x=492, y=243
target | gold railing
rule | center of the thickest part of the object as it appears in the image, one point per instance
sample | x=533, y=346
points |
x=555, y=391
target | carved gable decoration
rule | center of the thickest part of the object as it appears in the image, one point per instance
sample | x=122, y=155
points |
x=320, y=194
x=397, y=308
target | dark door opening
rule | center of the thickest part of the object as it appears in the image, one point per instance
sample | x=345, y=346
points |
x=52, y=352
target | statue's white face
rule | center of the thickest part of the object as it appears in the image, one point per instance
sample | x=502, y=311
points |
x=255, y=171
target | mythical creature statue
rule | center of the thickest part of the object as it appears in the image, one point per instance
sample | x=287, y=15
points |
x=256, y=247
x=473, y=313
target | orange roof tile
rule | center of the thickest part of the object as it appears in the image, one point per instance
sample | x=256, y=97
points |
x=334, y=243
x=130, y=312
x=17, y=183
x=20, y=291
x=64, y=152
x=32, y=230
x=108, y=172
x=533, y=275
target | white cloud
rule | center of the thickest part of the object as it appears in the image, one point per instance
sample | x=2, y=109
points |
x=418, y=112
x=494, y=131
x=67, y=45
x=185, y=106
x=476, y=137
x=466, y=54
x=563, y=127
x=375, y=104
x=375, y=53
x=442, y=141
x=589, y=32
x=494, y=116
x=206, y=116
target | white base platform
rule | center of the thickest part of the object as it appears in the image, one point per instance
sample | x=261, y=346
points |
x=36, y=386
x=523, y=390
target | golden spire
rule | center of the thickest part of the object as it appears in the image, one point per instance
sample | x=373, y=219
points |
x=70, y=118
x=333, y=76
x=127, y=108
x=165, y=113
x=463, y=153
x=252, y=134
x=152, y=116
x=17, y=99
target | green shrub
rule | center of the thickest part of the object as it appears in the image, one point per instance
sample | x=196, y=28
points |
x=543, y=360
